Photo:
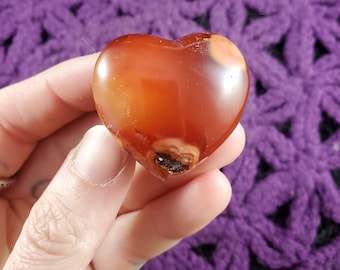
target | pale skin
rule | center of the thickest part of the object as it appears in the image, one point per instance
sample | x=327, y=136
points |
x=88, y=205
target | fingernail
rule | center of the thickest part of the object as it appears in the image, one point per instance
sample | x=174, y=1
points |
x=99, y=158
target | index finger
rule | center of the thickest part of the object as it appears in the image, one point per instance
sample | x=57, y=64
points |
x=32, y=109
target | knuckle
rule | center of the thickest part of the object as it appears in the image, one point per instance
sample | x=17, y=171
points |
x=52, y=231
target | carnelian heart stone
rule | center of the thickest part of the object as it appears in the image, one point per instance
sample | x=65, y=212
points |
x=171, y=102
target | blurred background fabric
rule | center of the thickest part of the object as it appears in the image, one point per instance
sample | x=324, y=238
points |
x=285, y=209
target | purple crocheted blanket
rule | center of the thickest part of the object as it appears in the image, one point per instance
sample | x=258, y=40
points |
x=285, y=210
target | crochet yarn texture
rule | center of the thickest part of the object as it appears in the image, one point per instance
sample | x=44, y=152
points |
x=285, y=210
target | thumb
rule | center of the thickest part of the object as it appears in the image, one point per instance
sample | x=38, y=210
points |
x=77, y=209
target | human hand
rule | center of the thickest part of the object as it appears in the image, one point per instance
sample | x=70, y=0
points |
x=88, y=205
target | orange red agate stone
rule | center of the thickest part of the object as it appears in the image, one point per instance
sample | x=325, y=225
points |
x=171, y=102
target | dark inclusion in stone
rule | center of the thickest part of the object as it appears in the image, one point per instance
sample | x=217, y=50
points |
x=206, y=251
x=327, y=231
x=327, y=126
x=173, y=166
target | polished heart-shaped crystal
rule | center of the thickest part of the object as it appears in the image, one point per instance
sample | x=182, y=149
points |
x=171, y=102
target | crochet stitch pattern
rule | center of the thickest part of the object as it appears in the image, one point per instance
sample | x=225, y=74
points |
x=285, y=210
